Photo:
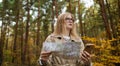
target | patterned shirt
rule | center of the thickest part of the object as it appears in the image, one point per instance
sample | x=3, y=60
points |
x=59, y=61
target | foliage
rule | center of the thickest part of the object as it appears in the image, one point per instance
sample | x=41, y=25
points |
x=42, y=16
x=102, y=50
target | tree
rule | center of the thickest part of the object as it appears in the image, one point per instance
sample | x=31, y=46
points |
x=16, y=32
x=105, y=18
x=119, y=7
x=111, y=19
x=69, y=7
x=24, y=25
x=38, y=30
x=80, y=18
x=26, y=46
x=3, y=33
x=1, y=52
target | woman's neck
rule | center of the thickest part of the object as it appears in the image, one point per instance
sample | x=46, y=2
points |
x=67, y=33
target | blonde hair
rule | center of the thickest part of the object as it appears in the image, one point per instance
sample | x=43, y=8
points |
x=60, y=26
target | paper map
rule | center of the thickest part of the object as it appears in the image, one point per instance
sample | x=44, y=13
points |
x=67, y=50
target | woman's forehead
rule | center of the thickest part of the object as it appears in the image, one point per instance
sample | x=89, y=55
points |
x=69, y=16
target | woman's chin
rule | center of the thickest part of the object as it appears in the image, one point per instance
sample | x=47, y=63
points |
x=70, y=27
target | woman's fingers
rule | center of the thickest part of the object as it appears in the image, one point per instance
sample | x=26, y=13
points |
x=87, y=53
x=85, y=56
x=44, y=58
x=45, y=55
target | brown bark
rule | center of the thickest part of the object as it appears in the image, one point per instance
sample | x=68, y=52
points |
x=119, y=9
x=111, y=20
x=2, y=38
x=7, y=38
x=26, y=46
x=105, y=18
x=38, y=32
x=56, y=9
x=69, y=8
x=1, y=52
x=80, y=19
x=3, y=33
x=21, y=24
x=53, y=13
x=38, y=26
x=16, y=33
x=22, y=44
x=119, y=13
x=118, y=21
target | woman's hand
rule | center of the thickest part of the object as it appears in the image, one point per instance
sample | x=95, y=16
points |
x=85, y=57
x=45, y=55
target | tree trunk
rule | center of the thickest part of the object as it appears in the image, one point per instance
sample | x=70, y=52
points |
x=118, y=28
x=7, y=38
x=105, y=19
x=22, y=45
x=2, y=43
x=118, y=19
x=22, y=37
x=26, y=46
x=111, y=20
x=53, y=13
x=69, y=8
x=56, y=9
x=1, y=52
x=3, y=32
x=16, y=33
x=80, y=19
x=38, y=26
x=38, y=32
x=119, y=9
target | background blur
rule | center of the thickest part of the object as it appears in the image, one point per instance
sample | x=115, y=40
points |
x=24, y=25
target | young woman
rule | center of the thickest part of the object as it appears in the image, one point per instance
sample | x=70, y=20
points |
x=65, y=30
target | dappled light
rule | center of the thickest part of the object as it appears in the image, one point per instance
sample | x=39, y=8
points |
x=25, y=24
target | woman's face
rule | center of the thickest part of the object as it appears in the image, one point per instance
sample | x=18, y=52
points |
x=69, y=21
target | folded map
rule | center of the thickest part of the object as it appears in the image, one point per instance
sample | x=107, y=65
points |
x=67, y=50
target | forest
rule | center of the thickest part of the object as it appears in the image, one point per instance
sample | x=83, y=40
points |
x=25, y=24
